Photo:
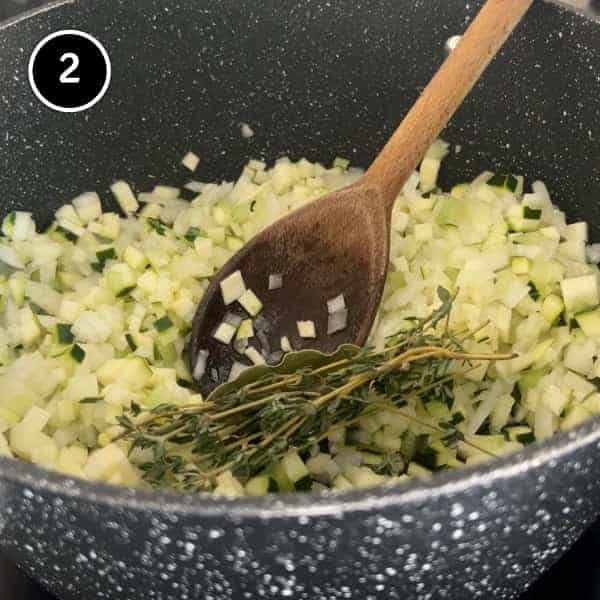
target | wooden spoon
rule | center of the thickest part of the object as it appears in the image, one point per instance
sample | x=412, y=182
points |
x=340, y=243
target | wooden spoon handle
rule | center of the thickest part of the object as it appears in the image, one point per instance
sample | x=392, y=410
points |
x=444, y=95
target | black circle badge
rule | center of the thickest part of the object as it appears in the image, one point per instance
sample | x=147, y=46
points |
x=69, y=71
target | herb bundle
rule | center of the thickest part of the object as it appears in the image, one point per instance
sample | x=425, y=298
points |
x=248, y=425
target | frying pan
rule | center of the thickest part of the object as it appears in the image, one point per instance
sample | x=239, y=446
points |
x=313, y=79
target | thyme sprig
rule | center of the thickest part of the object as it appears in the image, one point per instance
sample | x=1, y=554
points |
x=247, y=426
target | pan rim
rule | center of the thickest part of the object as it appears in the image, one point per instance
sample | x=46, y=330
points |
x=447, y=485
x=34, y=479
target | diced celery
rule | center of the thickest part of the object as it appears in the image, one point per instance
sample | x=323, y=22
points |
x=250, y=302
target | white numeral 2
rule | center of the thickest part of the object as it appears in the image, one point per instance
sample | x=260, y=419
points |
x=66, y=75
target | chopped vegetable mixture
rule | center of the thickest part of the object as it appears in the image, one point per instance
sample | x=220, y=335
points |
x=94, y=314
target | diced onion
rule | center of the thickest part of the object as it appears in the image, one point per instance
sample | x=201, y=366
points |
x=337, y=321
x=236, y=370
x=200, y=366
x=255, y=356
x=336, y=304
x=190, y=161
x=250, y=302
x=275, y=281
x=307, y=329
x=246, y=131
x=233, y=287
x=285, y=344
x=224, y=333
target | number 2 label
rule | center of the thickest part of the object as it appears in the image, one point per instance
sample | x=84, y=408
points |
x=69, y=71
x=66, y=74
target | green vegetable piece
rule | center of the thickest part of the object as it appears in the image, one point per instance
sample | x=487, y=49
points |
x=98, y=267
x=532, y=213
x=68, y=235
x=90, y=400
x=107, y=254
x=63, y=332
x=163, y=323
x=192, y=233
x=130, y=342
x=126, y=291
x=533, y=291
x=77, y=353
x=512, y=183
x=457, y=418
x=304, y=484
x=497, y=180
x=526, y=438
x=157, y=225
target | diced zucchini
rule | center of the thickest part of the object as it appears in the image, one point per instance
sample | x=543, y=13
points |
x=552, y=307
x=520, y=433
x=580, y=293
x=342, y=163
x=306, y=329
x=517, y=221
x=88, y=207
x=520, y=265
x=255, y=356
x=125, y=197
x=163, y=324
x=134, y=258
x=77, y=353
x=261, y=485
x=429, y=171
x=16, y=285
x=245, y=330
x=574, y=250
x=132, y=372
x=589, y=322
x=280, y=477
x=294, y=466
x=285, y=344
x=575, y=415
x=233, y=287
x=251, y=304
x=120, y=278
x=224, y=333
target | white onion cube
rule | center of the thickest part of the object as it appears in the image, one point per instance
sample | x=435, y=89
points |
x=255, y=356
x=285, y=344
x=275, y=281
x=88, y=206
x=306, y=329
x=200, y=367
x=246, y=330
x=233, y=287
x=190, y=161
x=336, y=304
x=124, y=196
x=250, y=302
x=236, y=370
x=224, y=333
x=337, y=322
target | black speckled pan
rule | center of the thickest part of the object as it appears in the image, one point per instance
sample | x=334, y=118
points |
x=313, y=79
